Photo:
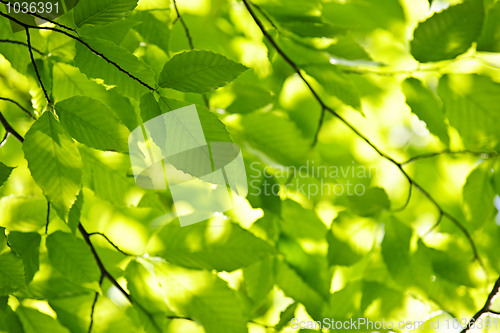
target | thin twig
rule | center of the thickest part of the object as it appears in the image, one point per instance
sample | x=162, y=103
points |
x=19, y=105
x=186, y=30
x=34, y=65
x=486, y=308
x=48, y=216
x=21, y=43
x=111, y=243
x=359, y=134
x=94, y=303
x=45, y=19
x=407, y=201
x=4, y=139
x=191, y=44
x=84, y=44
x=449, y=152
x=438, y=222
x=320, y=124
x=104, y=272
x=9, y=128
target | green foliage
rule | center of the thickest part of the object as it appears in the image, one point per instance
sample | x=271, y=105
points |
x=198, y=71
x=93, y=12
x=386, y=213
x=449, y=33
x=54, y=162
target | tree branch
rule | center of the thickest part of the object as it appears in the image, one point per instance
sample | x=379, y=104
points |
x=9, y=128
x=21, y=43
x=19, y=105
x=45, y=19
x=34, y=65
x=486, y=308
x=48, y=216
x=94, y=303
x=359, y=134
x=104, y=272
x=186, y=30
x=83, y=43
x=449, y=152
x=111, y=243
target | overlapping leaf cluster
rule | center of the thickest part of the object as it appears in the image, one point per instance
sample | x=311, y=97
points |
x=295, y=84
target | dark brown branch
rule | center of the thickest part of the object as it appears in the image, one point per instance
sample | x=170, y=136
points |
x=358, y=133
x=45, y=19
x=111, y=243
x=4, y=139
x=190, y=42
x=19, y=105
x=83, y=43
x=48, y=218
x=186, y=30
x=34, y=65
x=21, y=43
x=104, y=271
x=486, y=308
x=9, y=128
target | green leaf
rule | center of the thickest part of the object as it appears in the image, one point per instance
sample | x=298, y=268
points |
x=68, y=82
x=35, y=321
x=427, y=107
x=295, y=287
x=106, y=175
x=27, y=246
x=274, y=134
x=341, y=251
x=3, y=241
x=372, y=202
x=248, y=98
x=334, y=82
x=23, y=213
x=98, y=12
x=92, y=123
x=114, y=32
x=96, y=67
x=199, y=71
x=396, y=247
x=154, y=27
x=75, y=213
x=11, y=273
x=286, y=317
x=489, y=39
x=478, y=196
x=314, y=29
x=471, y=104
x=146, y=291
x=4, y=173
x=72, y=257
x=74, y=313
x=224, y=248
x=204, y=297
x=449, y=33
x=54, y=162
x=259, y=279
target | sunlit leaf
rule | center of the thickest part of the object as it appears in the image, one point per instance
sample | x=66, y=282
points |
x=54, y=162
